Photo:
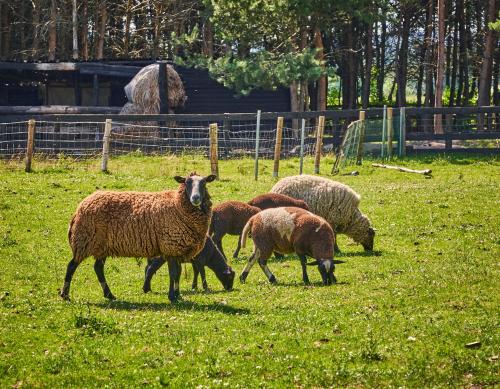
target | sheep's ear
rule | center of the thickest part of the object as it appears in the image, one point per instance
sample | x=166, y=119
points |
x=180, y=180
x=211, y=177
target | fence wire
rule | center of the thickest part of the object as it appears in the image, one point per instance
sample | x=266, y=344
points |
x=85, y=139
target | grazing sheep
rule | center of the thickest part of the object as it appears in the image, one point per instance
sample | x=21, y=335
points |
x=275, y=200
x=286, y=230
x=171, y=223
x=332, y=200
x=230, y=217
x=210, y=256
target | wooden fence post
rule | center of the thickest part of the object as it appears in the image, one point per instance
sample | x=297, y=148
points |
x=30, y=146
x=105, y=145
x=384, y=131
x=214, y=157
x=302, y=138
x=402, y=132
x=257, y=140
x=361, y=139
x=390, y=131
x=277, y=145
x=319, y=143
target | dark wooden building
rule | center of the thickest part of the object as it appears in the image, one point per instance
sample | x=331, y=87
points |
x=102, y=83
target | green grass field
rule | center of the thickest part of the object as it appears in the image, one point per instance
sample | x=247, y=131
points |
x=399, y=317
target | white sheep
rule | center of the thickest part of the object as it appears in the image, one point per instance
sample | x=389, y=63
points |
x=332, y=200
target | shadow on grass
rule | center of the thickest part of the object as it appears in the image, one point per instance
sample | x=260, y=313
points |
x=167, y=306
x=368, y=254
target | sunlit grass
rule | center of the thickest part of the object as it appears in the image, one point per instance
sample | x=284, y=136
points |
x=399, y=317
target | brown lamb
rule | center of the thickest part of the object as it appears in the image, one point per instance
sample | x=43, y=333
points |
x=230, y=217
x=286, y=230
x=275, y=200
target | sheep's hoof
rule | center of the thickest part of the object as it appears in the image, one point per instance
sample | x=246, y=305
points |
x=110, y=296
x=273, y=280
x=243, y=277
x=64, y=296
x=194, y=287
x=146, y=289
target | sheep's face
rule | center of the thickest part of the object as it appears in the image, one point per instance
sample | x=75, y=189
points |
x=222, y=270
x=368, y=240
x=326, y=268
x=196, y=187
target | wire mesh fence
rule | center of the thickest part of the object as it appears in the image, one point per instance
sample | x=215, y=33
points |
x=385, y=133
x=85, y=139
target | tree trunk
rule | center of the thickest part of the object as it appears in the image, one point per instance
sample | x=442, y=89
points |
x=103, y=17
x=126, y=38
x=487, y=64
x=322, y=81
x=454, y=62
x=438, y=102
x=429, y=27
x=381, y=69
x=35, y=28
x=52, y=31
x=75, y=30
x=352, y=69
x=208, y=38
x=85, y=30
x=368, y=66
x=5, y=31
x=496, y=69
x=402, y=64
x=156, y=30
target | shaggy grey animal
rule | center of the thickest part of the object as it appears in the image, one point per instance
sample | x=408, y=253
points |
x=332, y=200
x=172, y=223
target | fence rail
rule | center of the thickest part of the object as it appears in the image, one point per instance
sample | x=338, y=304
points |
x=385, y=132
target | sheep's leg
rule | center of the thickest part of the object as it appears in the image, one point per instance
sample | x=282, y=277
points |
x=70, y=270
x=336, y=247
x=203, y=278
x=251, y=262
x=218, y=242
x=194, y=285
x=174, y=271
x=237, y=251
x=270, y=276
x=99, y=271
x=152, y=267
x=303, y=263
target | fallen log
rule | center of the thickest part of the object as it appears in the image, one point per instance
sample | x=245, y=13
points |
x=425, y=172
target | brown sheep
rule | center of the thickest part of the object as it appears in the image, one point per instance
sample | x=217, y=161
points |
x=275, y=200
x=171, y=223
x=286, y=230
x=230, y=217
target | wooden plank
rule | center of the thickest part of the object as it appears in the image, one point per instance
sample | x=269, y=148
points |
x=30, y=145
x=319, y=143
x=454, y=136
x=163, y=86
x=105, y=145
x=277, y=146
x=361, y=139
x=214, y=153
x=55, y=110
x=95, y=90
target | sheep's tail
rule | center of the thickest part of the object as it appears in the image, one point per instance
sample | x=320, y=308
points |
x=245, y=232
